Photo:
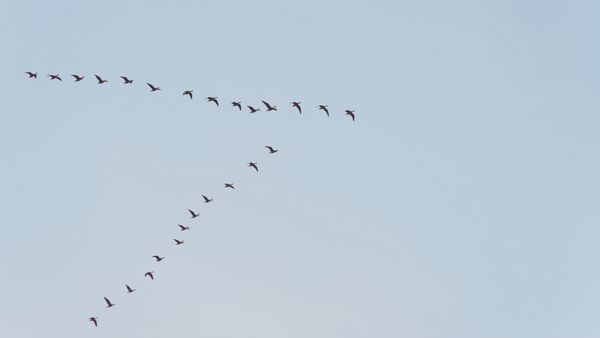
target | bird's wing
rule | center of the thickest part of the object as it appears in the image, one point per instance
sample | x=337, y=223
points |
x=98, y=78
x=149, y=85
x=107, y=301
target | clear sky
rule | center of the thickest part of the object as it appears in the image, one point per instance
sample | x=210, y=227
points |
x=462, y=203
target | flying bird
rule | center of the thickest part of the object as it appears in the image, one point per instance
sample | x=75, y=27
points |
x=229, y=185
x=100, y=80
x=31, y=75
x=158, y=258
x=271, y=149
x=183, y=227
x=77, y=77
x=324, y=107
x=252, y=109
x=269, y=107
x=297, y=105
x=178, y=242
x=152, y=88
x=94, y=320
x=54, y=77
x=129, y=289
x=188, y=93
x=253, y=165
x=126, y=80
x=350, y=113
x=237, y=104
x=194, y=215
x=206, y=199
x=149, y=274
x=212, y=99
x=108, y=303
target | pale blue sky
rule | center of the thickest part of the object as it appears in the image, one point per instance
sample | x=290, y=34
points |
x=461, y=204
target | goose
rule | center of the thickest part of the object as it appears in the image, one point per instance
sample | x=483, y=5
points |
x=297, y=105
x=324, y=107
x=252, y=109
x=183, y=227
x=152, y=88
x=77, y=77
x=229, y=185
x=253, y=165
x=108, y=303
x=94, y=320
x=178, y=242
x=194, y=215
x=206, y=199
x=100, y=80
x=158, y=258
x=149, y=274
x=269, y=107
x=188, y=93
x=31, y=75
x=350, y=113
x=271, y=149
x=129, y=289
x=213, y=99
x=237, y=104
x=54, y=77
x=126, y=80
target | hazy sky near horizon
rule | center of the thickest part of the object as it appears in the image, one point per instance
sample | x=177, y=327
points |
x=462, y=203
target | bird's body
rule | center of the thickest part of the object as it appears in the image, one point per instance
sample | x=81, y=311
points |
x=126, y=80
x=31, y=75
x=271, y=149
x=237, y=104
x=129, y=289
x=253, y=165
x=269, y=107
x=77, y=77
x=194, y=215
x=213, y=99
x=149, y=274
x=183, y=227
x=324, y=108
x=350, y=113
x=252, y=109
x=229, y=185
x=188, y=93
x=108, y=302
x=178, y=242
x=100, y=80
x=54, y=77
x=297, y=105
x=206, y=199
x=94, y=320
x=152, y=87
x=158, y=258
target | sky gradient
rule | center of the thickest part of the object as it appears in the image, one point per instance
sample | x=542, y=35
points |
x=462, y=203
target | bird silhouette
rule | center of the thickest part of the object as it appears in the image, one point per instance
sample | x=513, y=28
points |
x=324, y=108
x=213, y=99
x=126, y=80
x=152, y=88
x=178, y=242
x=237, y=104
x=54, y=77
x=149, y=274
x=108, y=303
x=194, y=215
x=183, y=227
x=206, y=199
x=271, y=149
x=269, y=107
x=252, y=109
x=158, y=258
x=94, y=320
x=229, y=185
x=188, y=93
x=129, y=289
x=100, y=80
x=253, y=165
x=31, y=75
x=77, y=77
x=350, y=113
x=297, y=105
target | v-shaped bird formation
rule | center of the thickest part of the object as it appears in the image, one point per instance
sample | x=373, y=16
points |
x=189, y=93
x=297, y=105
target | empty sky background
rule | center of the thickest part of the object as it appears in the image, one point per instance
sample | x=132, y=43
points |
x=462, y=203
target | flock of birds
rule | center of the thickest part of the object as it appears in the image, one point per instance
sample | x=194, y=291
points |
x=190, y=94
x=193, y=214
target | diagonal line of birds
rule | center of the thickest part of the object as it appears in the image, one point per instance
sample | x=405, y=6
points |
x=177, y=242
x=193, y=214
x=190, y=93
